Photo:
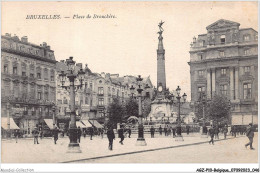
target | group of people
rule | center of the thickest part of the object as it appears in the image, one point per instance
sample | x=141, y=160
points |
x=214, y=131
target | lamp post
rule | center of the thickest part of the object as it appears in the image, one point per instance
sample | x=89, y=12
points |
x=178, y=129
x=53, y=115
x=71, y=75
x=140, y=140
x=203, y=100
x=8, y=118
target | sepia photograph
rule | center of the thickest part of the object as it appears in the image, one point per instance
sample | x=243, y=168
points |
x=119, y=82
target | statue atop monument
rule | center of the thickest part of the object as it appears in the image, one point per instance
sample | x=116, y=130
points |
x=160, y=27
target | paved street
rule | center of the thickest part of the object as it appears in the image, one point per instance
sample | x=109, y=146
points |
x=159, y=150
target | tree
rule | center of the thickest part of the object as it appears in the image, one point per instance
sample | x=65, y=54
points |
x=131, y=108
x=216, y=109
x=116, y=111
x=146, y=107
x=219, y=108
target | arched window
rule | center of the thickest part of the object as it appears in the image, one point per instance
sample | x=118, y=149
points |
x=52, y=75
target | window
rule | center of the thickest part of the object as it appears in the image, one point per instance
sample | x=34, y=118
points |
x=46, y=96
x=256, y=37
x=86, y=100
x=90, y=86
x=45, y=74
x=246, y=52
x=221, y=53
x=246, y=37
x=100, y=90
x=23, y=73
x=91, y=102
x=223, y=71
x=201, y=89
x=201, y=73
x=32, y=75
x=202, y=43
x=123, y=95
x=6, y=68
x=52, y=78
x=222, y=39
x=14, y=70
x=52, y=75
x=65, y=101
x=86, y=85
x=247, y=69
x=247, y=91
x=101, y=101
x=223, y=89
x=38, y=75
x=39, y=95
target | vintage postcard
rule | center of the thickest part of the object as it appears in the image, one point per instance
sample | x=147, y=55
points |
x=130, y=82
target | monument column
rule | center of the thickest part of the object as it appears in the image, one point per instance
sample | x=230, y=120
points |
x=161, y=78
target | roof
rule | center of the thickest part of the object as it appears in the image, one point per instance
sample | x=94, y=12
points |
x=222, y=23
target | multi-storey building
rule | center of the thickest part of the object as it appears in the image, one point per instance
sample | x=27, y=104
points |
x=28, y=81
x=97, y=93
x=225, y=61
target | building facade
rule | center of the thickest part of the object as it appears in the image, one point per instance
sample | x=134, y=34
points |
x=96, y=94
x=225, y=61
x=28, y=81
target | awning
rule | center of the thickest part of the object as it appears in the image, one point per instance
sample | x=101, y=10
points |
x=12, y=123
x=49, y=123
x=96, y=124
x=80, y=124
x=86, y=123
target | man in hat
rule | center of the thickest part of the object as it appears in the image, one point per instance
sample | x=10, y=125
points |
x=111, y=137
x=211, y=134
x=250, y=135
x=225, y=130
x=121, y=134
x=35, y=133
x=55, y=133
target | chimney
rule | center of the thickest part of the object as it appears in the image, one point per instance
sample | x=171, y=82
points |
x=103, y=74
x=79, y=65
x=44, y=44
x=24, y=39
x=48, y=47
x=108, y=75
x=16, y=38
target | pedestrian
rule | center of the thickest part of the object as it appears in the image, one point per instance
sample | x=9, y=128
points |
x=225, y=130
x=111, y=137
x=35, y=133
x=102, y=132
x=216, y=131
x=168, y=131
x=41, y=134
x=250, y=135
x=129, y=132
x=165, y=131
x=173, y=132
x=188, y=129
x=121, y=135
x=84, y=133
x=152, y=130
x=160, y=130
x=55, y=133
x=16, y=135
x=211, y=134
x=79, y=134
x=91, y=131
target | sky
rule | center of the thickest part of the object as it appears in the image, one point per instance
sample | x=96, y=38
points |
x=126, y=44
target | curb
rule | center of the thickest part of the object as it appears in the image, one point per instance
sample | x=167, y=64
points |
x=148, y=150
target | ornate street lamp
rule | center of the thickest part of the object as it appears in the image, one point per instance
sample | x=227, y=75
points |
x=70, y=74
x=140, y=140
x=203, y=100
x=178, y=129
x=53, y=115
